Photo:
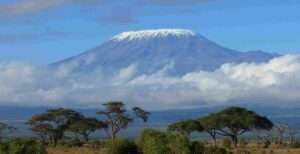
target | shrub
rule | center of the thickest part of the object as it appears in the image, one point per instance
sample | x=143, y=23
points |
x=153, y=142
x=226, y=143
x=157, y=142
x=197, y=147
x=266, y=144
x=295, y=144
x=4, y=148
x=178, y=144
x=121, y=146
x=20, y=146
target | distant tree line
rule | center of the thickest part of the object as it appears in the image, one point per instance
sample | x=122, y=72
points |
x=56, y=125
x=52, y=125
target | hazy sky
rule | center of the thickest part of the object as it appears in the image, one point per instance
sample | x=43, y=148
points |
x=43, y=32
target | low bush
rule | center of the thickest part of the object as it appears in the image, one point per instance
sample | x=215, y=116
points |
x=266, y=144
x=153, y=142
x=121, y=146
x=295, y=144
x=178, y=144
x=157, y=142
x=22, y=146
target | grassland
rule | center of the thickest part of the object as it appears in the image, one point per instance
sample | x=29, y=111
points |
x=250, y=149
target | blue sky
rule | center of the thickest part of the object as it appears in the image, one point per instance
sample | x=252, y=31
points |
x=43, y=32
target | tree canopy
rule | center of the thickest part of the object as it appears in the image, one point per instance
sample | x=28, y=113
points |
x=186, y=127
x=117, y=117
x=235, y=121
x=86, y=126
x=52, y=124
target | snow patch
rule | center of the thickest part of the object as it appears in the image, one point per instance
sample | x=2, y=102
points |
x=156, y=33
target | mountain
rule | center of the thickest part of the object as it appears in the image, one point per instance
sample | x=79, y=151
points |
x=149, y=51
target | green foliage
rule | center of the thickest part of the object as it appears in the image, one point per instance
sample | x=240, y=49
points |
x=4, y=148
x=153, y=142
x=86, y=126
x=157, y=142
x=242, y=119
x=235, y=121
x=186, y=127
x=116, y=117
x=140, y=113
x=19, y=146
x=121, y=146
x=178, y=144
x=210, y=125
x=53, y=124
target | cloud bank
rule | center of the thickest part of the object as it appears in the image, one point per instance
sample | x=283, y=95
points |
x=276, y=82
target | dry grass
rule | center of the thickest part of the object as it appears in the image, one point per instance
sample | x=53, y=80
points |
x=75, y=150
x=266, y=151
x=84, y=150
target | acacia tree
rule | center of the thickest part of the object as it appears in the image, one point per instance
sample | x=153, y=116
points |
x=186, y=127
x=43, y=130
x=86, y=126
x=210, y=125
x=235, y=121
x=280, y=130
x=54, y=123
x=117, y=117
x=140, y=113
x=4, y=129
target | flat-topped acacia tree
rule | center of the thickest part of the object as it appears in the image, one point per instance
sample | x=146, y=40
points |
x=235, y=121
x=53, y=124
x=86, y=126
x=117, y=117
x=210, y=125
x=186, y=127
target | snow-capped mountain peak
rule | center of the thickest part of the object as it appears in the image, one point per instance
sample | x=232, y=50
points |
x=154, y=33
x=152, y=50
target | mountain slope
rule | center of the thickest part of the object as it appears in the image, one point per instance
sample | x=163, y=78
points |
x=149, y=51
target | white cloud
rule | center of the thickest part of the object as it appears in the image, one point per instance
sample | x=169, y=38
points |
x=276, y=82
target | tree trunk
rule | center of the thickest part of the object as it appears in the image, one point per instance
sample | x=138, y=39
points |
x=234, y=139
x=215, y=141
x=113, y=135
x=214, y=138
x=86, y=137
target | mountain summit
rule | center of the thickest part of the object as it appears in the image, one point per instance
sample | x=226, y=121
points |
x=179, y=50
x=153, y=34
